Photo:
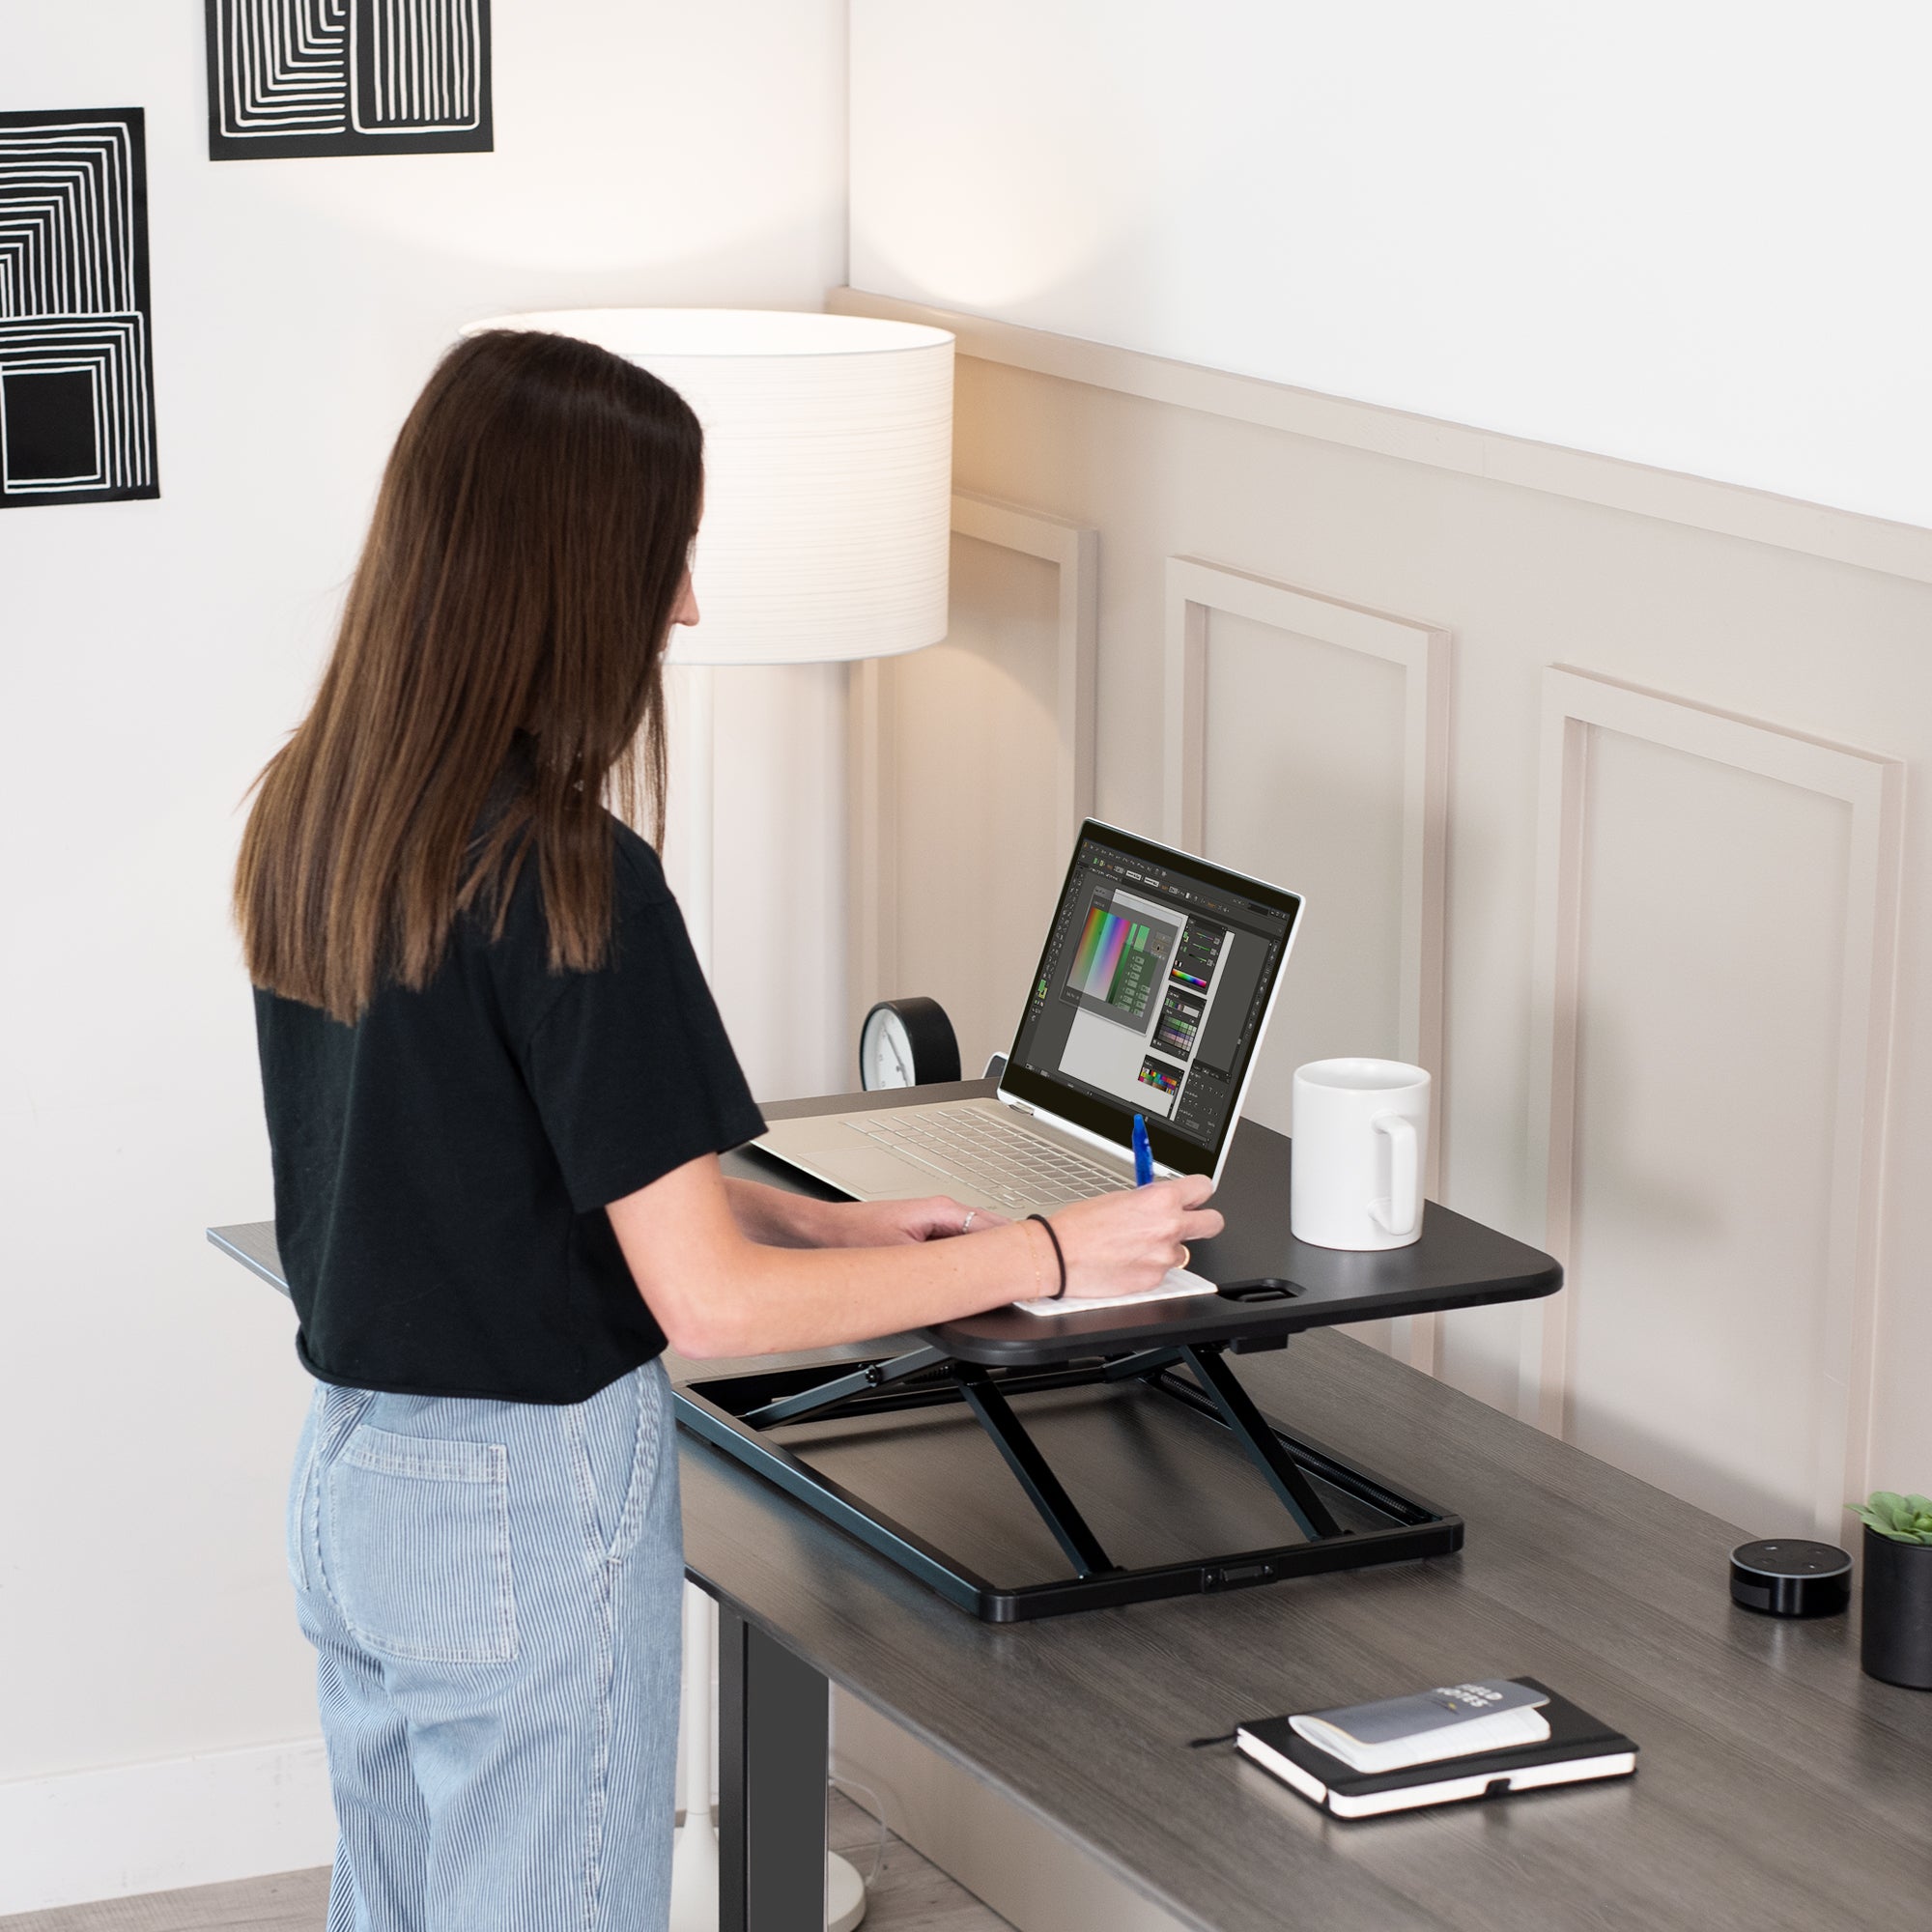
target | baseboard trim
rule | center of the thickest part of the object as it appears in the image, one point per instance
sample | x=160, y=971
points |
x=157, y=1827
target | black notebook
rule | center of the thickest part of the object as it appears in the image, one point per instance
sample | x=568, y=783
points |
x=1579, y=1747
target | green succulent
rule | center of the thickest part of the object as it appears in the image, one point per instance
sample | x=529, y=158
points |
x=1903, y=1518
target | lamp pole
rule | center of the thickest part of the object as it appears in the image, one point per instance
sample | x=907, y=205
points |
x=694, y=1870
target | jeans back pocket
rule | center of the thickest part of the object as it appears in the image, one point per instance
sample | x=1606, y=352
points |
x=419, y=1547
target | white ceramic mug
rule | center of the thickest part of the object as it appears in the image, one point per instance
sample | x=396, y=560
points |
x=1361, y=1140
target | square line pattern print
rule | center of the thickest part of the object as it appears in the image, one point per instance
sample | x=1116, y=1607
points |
x=347, y=77
x=77, y=366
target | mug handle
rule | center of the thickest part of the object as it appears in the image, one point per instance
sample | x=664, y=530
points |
x=1404, y=1206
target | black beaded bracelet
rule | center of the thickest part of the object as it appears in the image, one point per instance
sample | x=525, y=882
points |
x=1059, y=1255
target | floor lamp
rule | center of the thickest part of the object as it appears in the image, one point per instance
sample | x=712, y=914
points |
x=828, y=460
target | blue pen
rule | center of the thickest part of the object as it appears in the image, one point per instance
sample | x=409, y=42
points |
x=1143, y=1154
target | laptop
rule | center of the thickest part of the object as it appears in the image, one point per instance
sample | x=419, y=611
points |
x=1154, y=993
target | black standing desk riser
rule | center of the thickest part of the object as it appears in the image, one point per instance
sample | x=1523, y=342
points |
x=740, y=1413
x=1181, y=1352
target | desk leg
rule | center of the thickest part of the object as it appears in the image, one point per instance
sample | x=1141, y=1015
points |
x=773, y=1727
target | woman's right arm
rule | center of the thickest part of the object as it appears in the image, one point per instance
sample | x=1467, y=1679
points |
x=715, y=1291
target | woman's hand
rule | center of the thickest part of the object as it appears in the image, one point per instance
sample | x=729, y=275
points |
x=1123, y=1244
x=888, y=1224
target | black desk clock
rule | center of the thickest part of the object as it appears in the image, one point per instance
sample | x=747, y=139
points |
x=907, y=1043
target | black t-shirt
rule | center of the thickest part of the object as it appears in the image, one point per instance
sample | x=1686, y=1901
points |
x=443, y=1166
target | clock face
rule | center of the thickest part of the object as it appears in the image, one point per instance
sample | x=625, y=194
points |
x=884, y=1051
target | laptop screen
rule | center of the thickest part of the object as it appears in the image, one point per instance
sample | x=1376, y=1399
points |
x=1152, y=996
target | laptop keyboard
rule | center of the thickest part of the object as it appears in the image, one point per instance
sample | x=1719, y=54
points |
x=1017, y=1168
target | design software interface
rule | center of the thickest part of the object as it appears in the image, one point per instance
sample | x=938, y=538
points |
x=1151, y=992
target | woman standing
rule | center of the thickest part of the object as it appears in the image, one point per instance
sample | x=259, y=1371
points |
x=497, y=1090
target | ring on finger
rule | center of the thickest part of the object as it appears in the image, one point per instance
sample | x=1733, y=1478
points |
x=968, y=1222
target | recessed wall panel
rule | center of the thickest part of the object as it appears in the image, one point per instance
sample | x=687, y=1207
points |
x=1303, y=785
x=1712, y=908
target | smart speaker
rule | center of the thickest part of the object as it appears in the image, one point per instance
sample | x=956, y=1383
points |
x=1786, y=1577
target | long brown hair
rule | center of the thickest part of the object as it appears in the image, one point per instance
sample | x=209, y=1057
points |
x=502, y=641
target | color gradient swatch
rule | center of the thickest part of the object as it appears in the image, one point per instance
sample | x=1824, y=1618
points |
x=1101, y=959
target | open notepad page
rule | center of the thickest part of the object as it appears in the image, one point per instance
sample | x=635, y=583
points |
x=1175, y=1281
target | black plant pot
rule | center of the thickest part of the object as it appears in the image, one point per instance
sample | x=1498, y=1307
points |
x=1897, y=1646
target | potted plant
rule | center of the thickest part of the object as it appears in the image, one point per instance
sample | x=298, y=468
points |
x=1897, y=1633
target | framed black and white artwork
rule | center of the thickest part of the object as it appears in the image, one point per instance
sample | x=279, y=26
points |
x=347, y=77
x=76, y=363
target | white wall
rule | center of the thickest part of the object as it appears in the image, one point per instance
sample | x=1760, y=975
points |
x=152, y=655
x=1685, y=235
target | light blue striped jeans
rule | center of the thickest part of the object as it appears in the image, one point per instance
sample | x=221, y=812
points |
x=492, y=1592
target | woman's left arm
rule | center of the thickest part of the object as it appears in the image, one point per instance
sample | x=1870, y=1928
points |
x=776, y=1218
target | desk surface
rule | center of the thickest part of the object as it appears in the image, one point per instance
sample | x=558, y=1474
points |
x=1779, y=1787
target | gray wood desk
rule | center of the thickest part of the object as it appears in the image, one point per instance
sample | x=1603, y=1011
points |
x=1778, y=1787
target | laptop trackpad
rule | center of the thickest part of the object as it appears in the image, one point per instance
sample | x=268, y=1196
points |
x=875, y=1174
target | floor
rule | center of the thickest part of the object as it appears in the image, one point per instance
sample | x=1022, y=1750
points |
x=908, y=1895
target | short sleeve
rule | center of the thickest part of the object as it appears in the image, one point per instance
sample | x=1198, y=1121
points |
x=629, y=1067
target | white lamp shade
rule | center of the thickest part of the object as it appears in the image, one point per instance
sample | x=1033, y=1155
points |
x=827, y=463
